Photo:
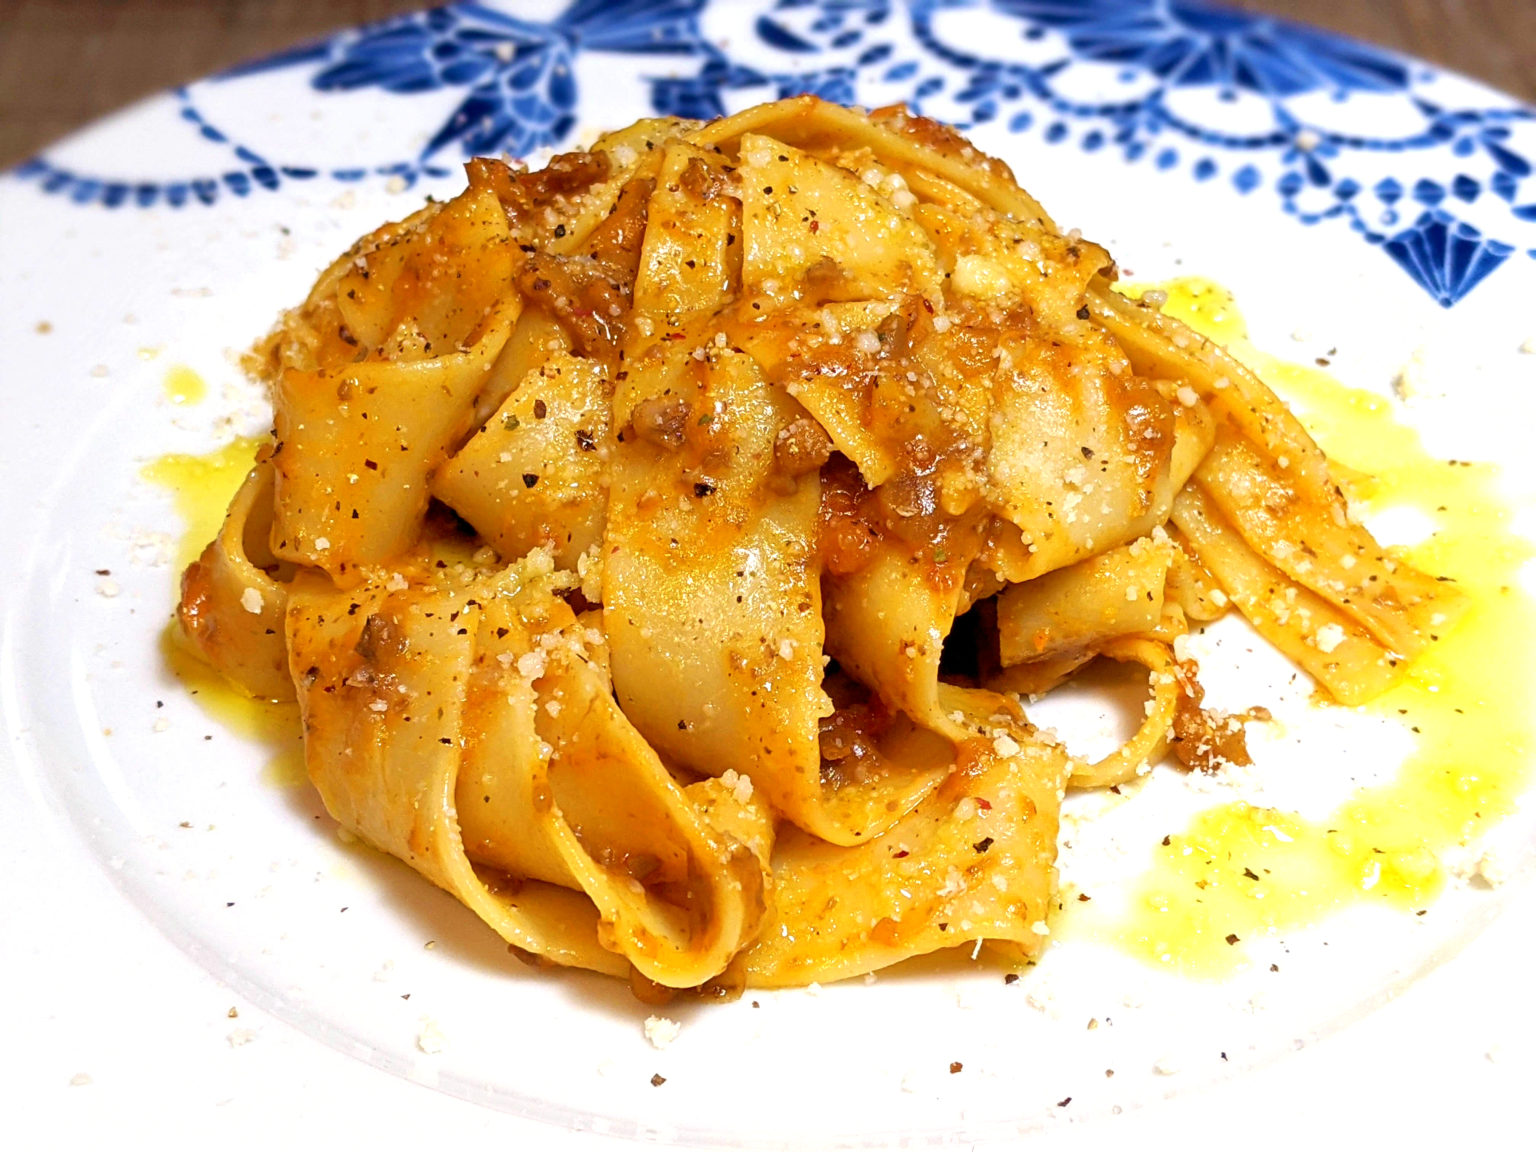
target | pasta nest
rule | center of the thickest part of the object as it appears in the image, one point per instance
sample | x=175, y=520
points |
x=663, y=546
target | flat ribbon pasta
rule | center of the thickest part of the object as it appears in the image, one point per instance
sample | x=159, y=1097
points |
x=232, y=597
x=662, y=545
x=428, y=717
x=970, y=863
x=381, y=691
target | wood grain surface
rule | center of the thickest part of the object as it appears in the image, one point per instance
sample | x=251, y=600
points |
x=64, y=63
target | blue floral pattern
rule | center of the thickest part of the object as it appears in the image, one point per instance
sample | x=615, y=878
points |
x=1192, y=44
x=1177, y=85
x=518, y=76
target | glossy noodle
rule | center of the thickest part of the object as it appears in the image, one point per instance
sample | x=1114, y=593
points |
x=664, y=546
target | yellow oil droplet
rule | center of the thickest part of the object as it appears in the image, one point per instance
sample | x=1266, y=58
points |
x=250, y=716
x=286, y=769
x=203, y=487
x=275, y=725
x=184, y=386
x=1239, y=871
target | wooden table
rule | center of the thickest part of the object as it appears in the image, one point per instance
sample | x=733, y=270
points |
x=66, y=62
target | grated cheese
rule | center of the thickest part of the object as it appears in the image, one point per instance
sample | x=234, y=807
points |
x=661, y=1031
x=1328, y=637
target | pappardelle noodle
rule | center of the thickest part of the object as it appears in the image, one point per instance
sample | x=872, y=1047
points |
x=619, y=515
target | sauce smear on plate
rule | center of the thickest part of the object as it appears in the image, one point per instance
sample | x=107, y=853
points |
x=1241, y=871
x=202, y=487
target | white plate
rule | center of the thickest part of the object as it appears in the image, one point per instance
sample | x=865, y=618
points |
x=151, y=883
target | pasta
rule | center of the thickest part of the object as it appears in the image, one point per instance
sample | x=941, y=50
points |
x=663, y=546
